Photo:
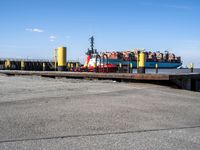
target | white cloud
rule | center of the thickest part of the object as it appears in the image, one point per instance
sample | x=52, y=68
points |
x=52, y=38
x=35, y=30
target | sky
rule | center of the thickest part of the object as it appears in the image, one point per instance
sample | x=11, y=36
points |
x=34, y=28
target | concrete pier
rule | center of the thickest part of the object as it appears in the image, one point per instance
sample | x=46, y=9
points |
x=184, y=80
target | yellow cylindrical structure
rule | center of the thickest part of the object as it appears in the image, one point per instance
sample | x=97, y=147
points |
x=22, y=65
x=77, y=65
x=68, y=66
x=120, y=65
x=156, y=68
x=131, y=65
x=141, y=66
x=7, y=64
x=137, y=61
x=72, y=65
x=62, y=58
x=120, y=68
x=43, y=66
x=95, y=66
x=142, y=59
x=192, y=67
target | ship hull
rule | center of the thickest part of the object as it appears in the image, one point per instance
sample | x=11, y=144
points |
x=149, y=64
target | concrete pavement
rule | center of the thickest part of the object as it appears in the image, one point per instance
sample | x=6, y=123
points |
x=44, y=113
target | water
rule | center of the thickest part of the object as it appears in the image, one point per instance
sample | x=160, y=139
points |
x=169, y=71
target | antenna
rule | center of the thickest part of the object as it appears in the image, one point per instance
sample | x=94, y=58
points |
x=92, y=44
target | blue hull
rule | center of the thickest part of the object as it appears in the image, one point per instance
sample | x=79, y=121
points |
x=147, y=64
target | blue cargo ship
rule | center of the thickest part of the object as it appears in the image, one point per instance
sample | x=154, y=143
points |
x=113, y=60
x=148, y=64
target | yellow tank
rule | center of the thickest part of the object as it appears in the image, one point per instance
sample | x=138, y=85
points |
x=142, y=60
x=141, y=66
x=62, y=58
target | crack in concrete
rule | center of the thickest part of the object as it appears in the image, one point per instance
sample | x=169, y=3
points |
x=96, y=134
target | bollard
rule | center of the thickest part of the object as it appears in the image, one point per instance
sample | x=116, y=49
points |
x=72, y=67
x=131, y=68
x=44, y=66
x=7, y=64
x=141, y=67
x=120, y=67
x=77, y=65
x=156, y=68
x=95, y=67
x=62, y=58
x=137, y=62
x=68, y=66
x=22, y=65
x=191, y=67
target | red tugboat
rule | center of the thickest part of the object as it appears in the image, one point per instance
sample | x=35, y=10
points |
x=96, y=62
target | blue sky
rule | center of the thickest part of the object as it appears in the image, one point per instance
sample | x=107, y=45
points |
x=32, y=29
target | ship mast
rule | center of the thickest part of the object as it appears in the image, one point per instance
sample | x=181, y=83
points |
x=91, y=50
x=92, y=44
